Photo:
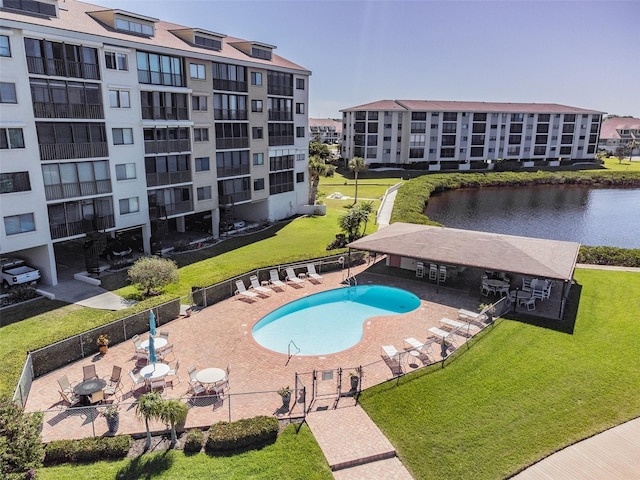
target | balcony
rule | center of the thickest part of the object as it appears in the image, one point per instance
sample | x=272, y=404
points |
x=79, y=189
x=79, y=227
x=65, y=151
x=278, y=115
x=236, y=197
x=167, y=146
x=226, y=143
x=227, y=114
x=177, y=207
x=67, y=110
x=233, y=171
x=168, y=178
x=229, y=85
x=165, y=113
x=61, y=68
x=283, y=90
x=275, y=140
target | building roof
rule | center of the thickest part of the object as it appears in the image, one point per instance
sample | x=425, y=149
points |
x=74, y=17
x=506, y=253
x=326, y=122
x=456, y=106
x=610, y=126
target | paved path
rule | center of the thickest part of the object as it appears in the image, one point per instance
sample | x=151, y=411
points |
x=354, y=446
x=386, y=208
x=81, y=293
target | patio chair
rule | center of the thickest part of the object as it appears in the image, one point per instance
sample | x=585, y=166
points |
x=243, y=293
x=433, y=271
x=65, y=385
x=135, y=380
x=96, y=397
x=163, y=334
x=255, y=285
x=165, y=352
x=392, y=358
x=195, y=386
x=419, y=269
x=173, y=372
x=530, y=303
x=142, y=358
x=442, y=274
x=292, y=278
x=274, y=280
x=71, y=399
x=219, y=388
x=312, y=274
x=89, y=372
x=158, y=385
x=419, y=346
x=114, y=382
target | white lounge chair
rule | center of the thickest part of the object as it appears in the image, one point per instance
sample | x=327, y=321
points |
x=418, y=346
x=312, y=274
x=255, y=285
x=244, y=293
x=292, y=278
x=392, y=358
x=274, y=280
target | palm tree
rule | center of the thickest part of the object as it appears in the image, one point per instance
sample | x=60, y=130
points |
x=366, y=209
x=148, y=408
x=173, y=412
x=317, y=168
x=357, y=165
x=350, y=223
x=632, y=146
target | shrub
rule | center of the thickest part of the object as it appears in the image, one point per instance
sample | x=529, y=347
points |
x=243, y=434
x=150, y=273
x=19, y=294
x=20, y=446
x=87, y=449
x=181, y=246
x=622, y=257
x=194, y=441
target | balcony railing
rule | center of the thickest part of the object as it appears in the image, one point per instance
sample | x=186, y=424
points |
x=236, y=197
x=233, y=171
x=64, y=151
x=61, y=68
x=229, y=85
x=280, y=140
x=167, y=146
x=67, y=110
x=178, y=207
x=71, y=229
x=279, y=115
x=79, y=189
x=165, y=113
x=158, y=78
x=226, y=143
x=284, y=90
x=227, y=114
x=168, y=178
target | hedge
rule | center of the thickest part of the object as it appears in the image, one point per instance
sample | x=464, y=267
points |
x=194, y=441
x=622, y=257
x=242, y=434
x=87, y=449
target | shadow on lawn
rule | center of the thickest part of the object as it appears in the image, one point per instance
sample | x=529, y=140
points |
x=145, y=466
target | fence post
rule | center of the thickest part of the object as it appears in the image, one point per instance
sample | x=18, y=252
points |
x=229, y=404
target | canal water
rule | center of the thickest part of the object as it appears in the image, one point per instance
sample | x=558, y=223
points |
x=590, y=216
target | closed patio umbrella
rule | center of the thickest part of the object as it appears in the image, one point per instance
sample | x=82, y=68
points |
x=152, y=350
x=152, y=323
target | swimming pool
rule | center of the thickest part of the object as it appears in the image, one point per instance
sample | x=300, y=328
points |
x=331, y=321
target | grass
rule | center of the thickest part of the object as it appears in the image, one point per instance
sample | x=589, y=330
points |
x=293, y=455
x=614, y=164
x=521, y=392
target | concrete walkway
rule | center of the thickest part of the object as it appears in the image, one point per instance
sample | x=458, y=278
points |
x=384, y=217
x=354, y=446
x=82, y=293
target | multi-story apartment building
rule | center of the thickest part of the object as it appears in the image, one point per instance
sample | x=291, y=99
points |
x=450, y=135
x=112, y=121
x=325, y=130
x=618, y=132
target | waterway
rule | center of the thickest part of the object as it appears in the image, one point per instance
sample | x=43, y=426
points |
x=590, y=216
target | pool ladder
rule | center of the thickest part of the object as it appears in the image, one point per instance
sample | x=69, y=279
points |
x=289, y=351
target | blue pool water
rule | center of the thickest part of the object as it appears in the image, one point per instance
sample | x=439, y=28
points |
x=331, y=321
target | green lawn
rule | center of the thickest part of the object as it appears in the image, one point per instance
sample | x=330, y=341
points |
x=293, y=455
x=521, y=391
x=613, y=163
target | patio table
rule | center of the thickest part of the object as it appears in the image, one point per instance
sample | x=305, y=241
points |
x=86, y=388
x=158, y=342
x=211, y=376
x=154, y=371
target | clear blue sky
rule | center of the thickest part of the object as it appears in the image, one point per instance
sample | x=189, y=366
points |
x=578, y=53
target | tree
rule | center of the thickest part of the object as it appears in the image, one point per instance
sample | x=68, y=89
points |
x=350, y=222
x=357, y=165
x=173, y=412
x=320, y=150
x=366, y=209
x=148, y=408
x=620, y=152
x=21, y=448
x=317, y=168
x=631, y=146
x=153, y=273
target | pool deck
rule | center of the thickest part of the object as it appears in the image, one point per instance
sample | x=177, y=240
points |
x=220, y=336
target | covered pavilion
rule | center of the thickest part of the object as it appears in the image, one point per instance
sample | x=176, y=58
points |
x=410, y=246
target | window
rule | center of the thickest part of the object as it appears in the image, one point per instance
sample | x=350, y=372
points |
x=258, y=159
x=300, y=83
x=256, y=132
x=229, y=77
x=256, y=105
x=199, y=102
x=300, y=177
x=19, y=224
x=116, y=61
x=15, y=182
x=196, y=70
x=261, y=53
x=211, y=43
x=129, y=205
x=450, y=116
x=447, y=152
x=204, y=193
x=299, y=132
x=134, y=27
x=158, y=69
x=122, y=136
x=8, y=93
x=256, y=79
x=126, y=171
x=119, y=99
x=202, y=164
x=258, y=184
x=300, y=108
x=229, y=107
x=200, y=134
x=5, y=47
x=11, y=138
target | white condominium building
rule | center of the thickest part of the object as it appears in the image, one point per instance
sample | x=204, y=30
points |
x=618, y=132
x=114, y=122
x=450, y=135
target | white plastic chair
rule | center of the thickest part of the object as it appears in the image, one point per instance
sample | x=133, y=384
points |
x=255, y=285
